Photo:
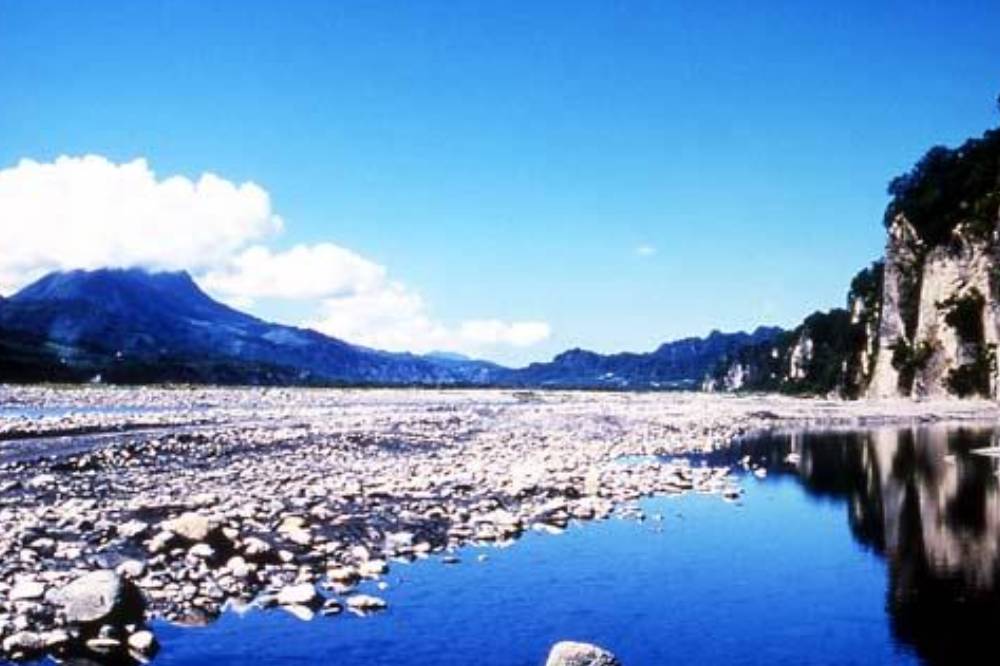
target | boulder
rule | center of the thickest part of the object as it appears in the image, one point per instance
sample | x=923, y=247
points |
x=303, y=594
x=193, y=527
x=568, y=653
x=143, y=642
x=101, y=597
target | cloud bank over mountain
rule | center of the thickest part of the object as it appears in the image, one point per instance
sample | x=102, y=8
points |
x=89, y=212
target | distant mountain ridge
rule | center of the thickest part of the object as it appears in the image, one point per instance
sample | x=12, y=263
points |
x=132, y=326
x=680, y=364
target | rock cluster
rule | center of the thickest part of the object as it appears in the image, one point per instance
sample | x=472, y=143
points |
x=101, y=613
x=291, y=498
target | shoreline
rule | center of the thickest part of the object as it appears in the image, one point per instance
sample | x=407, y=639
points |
x=281, y=493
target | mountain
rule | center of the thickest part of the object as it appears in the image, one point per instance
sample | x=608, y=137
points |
x=133, y=326
x=922, y=322
x=447, y=356
x=679, y=364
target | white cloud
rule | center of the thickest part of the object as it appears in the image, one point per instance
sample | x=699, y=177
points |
x=645, y=251
x=496, y=332
x=89, y=212
x=305, y=271
x=395, y=318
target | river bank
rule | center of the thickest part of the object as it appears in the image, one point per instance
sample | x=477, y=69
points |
x=199, y=498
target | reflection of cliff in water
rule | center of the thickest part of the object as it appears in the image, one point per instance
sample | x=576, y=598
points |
x=932, y=508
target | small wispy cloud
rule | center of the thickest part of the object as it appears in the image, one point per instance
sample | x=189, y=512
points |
x=645, y=251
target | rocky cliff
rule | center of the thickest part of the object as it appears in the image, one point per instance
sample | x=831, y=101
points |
x=939, y=326
x=924, y=321
x=940, y=306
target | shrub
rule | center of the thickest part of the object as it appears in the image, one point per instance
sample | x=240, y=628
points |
x=965, y=315
x=908, y=359
x=974, y=378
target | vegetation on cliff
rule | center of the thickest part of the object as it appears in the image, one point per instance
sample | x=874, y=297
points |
x=965, y=315
x=949, y=186
x=823, y=355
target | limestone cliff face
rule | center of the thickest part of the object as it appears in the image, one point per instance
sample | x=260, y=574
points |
x=800, y=356
x=735, y=377
x=866, y=310
x=900, y=291
x=940, y=315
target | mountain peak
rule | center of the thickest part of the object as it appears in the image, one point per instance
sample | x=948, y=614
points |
x=86, y=284
x=129, y=291
x=129, y=325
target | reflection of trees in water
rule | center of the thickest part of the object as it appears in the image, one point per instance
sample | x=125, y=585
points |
x=919, y=498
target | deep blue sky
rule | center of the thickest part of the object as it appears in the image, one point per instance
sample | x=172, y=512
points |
x=507, y=159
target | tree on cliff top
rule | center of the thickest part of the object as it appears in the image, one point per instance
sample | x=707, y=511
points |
x=949, y=186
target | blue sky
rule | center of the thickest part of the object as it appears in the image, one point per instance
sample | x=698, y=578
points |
x=506, y=161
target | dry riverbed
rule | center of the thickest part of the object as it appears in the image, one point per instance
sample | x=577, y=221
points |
x=121, y=505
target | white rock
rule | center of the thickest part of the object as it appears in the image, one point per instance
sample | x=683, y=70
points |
x=365, y=603
x=27, y=590
x=133, y=529
x=133, y=569
x=201, y=551
x=238, y=567
x=27, y=643
x=344, y=575
x=303, y=594
x=190, y=526
x=568, y=653
x=373, y=568
x=303, y=613
x=143, y=642
x=98, y=596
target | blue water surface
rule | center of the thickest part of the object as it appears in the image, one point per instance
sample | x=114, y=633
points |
x=776, y=579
